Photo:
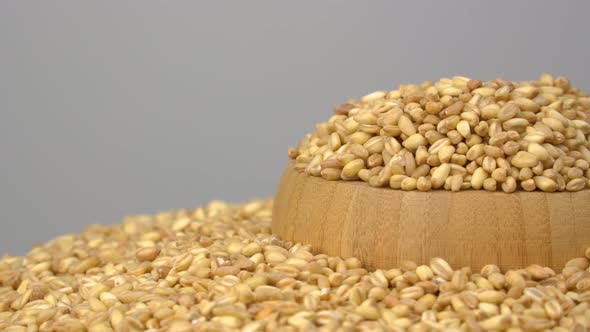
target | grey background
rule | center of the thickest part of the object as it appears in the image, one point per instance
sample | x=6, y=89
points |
x=109, y=108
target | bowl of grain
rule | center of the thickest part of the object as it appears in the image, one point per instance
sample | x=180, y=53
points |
x=219, y=267
x=479, y=172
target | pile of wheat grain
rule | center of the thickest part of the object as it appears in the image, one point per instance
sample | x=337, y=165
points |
x=219, y=268
x=457, y=134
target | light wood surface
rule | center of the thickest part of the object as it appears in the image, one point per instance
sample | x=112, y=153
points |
x=472, y=228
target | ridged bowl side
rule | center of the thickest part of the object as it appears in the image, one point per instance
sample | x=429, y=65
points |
x=472, y=228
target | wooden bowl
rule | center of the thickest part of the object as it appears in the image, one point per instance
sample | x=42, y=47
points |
x=472, y=228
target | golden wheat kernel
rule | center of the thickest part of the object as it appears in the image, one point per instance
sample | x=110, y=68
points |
x=545, y=183
x=409, y=183
x=445, y=153
x=395, y=181
x=575, y=184
x=439, y=175
x=456, y=181
x=331, y=174
x=414, y=141
x=499, y=174
x=524, y=159
x=509, y=185
x=525, y=173
x=441, y=268
x=478, y=178
x=473, y=84
x=423, y=183
x=352, y=168
x=489, y=184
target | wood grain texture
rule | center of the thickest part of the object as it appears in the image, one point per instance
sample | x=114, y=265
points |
x=472, y=228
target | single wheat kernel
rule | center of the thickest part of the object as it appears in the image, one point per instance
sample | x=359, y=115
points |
x=147, y=254
x=441, y=268
x=409, y=183
x=489, y=184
